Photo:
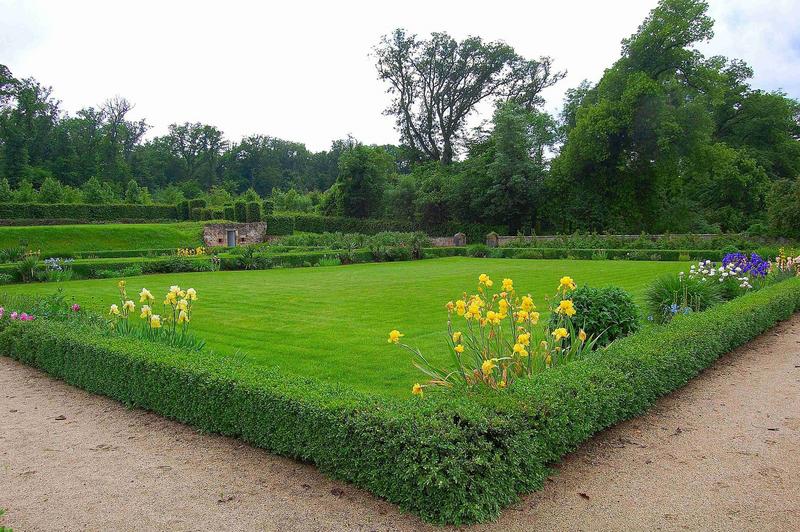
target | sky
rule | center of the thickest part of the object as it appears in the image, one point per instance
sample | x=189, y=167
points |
x=302, y=70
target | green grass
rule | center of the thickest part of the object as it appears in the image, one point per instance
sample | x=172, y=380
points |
x=332, y=322
x=54, y=239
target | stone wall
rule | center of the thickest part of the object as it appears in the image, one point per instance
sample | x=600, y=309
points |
x=457, y=240
x=499, y=240
x=249, y=233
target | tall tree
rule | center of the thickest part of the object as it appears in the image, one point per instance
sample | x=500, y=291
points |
x=437, y=83
x=363, y=171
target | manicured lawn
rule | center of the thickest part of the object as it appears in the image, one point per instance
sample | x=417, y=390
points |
x=54, y=239
x=332, y=322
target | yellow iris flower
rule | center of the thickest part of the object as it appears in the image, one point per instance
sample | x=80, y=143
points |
x=566, y=307
x=394, y=336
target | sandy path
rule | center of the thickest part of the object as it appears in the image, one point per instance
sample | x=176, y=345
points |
x=721, y=454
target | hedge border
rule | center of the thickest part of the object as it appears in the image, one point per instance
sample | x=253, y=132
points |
x=85, y=211
x=449, y=458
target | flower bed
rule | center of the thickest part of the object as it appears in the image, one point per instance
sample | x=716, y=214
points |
x=450, y=458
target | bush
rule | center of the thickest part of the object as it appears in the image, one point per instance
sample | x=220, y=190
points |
x=267, y=207
x=449, y=458
x=177, y=264
x=229, y=213
x=240, y=211
x=478, y=250
x=87, y=212
x=183, y=210
x=671, y=294
x=606, y=313
x=253, y=211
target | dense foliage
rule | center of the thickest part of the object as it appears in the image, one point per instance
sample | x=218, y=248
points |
x=607, y=313
x=666, y=140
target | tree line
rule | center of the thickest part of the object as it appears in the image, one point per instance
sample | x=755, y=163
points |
x=666, y=140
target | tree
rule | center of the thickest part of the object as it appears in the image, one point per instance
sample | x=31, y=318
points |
x=198, y=148
x=25, y=193
x=94, y=192
x=51, y=191
x=437, y=83
x=6, y=194
x=363, y=171
x=133, y=194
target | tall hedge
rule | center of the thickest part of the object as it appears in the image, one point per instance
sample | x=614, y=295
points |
x=89, y=212
x=253, y=211
x=229, y=213
x=184, y=212
x=450, y=457
x=240, y=211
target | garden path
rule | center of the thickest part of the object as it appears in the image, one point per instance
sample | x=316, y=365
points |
x=721, y=453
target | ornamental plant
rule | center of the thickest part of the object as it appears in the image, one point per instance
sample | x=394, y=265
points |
x=191, y=252
x=784, y=266
x=493, y=338
x=170, y=326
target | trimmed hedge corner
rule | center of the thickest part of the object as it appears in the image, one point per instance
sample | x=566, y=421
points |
x=449, y=458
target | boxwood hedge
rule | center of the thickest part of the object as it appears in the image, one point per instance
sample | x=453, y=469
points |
x=94, y=213
x=450, y=457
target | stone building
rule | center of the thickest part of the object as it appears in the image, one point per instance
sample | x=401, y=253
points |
x=233, y=234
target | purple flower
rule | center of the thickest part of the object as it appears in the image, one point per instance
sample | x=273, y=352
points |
x=76, y=307
x=14, y=315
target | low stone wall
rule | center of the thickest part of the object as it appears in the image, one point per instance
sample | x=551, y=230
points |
x=246, y=233
x=457, y=240
x=499, y=240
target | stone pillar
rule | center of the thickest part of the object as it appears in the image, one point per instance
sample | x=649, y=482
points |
x=459, y=240
x=492, y=239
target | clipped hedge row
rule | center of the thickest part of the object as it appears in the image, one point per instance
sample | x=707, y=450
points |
x=449, y=458
x=83, y=211
x=286, y=224
x=582, y=254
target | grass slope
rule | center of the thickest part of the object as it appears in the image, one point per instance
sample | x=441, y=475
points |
x=332, y=322
x=54, y=239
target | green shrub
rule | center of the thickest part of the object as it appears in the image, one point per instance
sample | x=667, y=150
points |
x=267, y=207
x=604, y=313
x=240, y=211
x=529, y=254
x=6, y=278
x=253, y=211
x=671, y=294
x=87, y=212
x=183, y=210
x=177, y=264
x=229, y=213
x=449, y=458
x=478, y=250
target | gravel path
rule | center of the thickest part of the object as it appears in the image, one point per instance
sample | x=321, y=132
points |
x=723, y=453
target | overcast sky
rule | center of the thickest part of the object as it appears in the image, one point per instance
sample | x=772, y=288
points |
x=301, y=70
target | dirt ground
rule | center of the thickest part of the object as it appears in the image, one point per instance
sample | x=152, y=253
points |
x=723, y=453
